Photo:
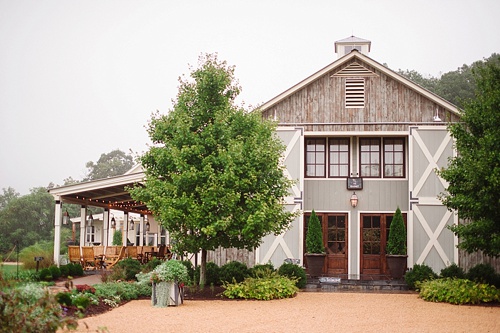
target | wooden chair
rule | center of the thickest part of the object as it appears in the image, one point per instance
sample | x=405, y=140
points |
x=74, y=255
x=161, y=252
x=147, y=253
x=89, y=260
x=132, y=252
x=111, y=259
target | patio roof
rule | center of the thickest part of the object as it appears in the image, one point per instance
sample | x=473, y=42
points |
x=108, y=193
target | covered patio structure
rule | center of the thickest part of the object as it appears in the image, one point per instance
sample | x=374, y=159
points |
x=112, y=195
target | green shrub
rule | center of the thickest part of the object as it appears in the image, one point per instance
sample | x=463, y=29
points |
x=314, y=235
x=484, y=273
x=190, y=269
x=272, y=287
x=452, y=271
x=396, y=243
x=45, y=275
x=212, y=274
x=458, y=291
x=43, y=249
x=30, y=308
x=128, y=268
x=117, y=238
x=125, y=290
x=294, y=271
x=64, y=270
x=64, y=298
x=25, y=275
x=81, y=301
x=258, y=269
x=419, y=273
x=55, y=271
x=233, y=271
x=75, y=269
x=150, y=265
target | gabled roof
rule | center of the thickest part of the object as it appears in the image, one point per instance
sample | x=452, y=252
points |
x=109, y=193
x=360, y=59
x=354, y=41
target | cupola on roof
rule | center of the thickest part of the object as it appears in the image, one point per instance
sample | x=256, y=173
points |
x=346, y=45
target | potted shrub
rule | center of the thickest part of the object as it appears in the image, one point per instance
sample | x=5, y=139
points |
x=396, y=246
x=168, y=283
x=315, y=250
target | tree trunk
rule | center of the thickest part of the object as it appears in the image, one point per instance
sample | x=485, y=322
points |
x=203, y=267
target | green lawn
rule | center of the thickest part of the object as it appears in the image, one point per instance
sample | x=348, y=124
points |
x=10, y=269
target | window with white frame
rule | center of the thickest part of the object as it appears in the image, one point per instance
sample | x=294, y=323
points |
x=90, y=234
x=336, y=157
x=371, y=151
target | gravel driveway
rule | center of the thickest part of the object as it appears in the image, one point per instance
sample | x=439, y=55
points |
x=308, y=312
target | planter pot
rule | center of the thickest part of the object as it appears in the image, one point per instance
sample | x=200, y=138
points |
x=167, y=294
x=396, y=265
x=315, y=263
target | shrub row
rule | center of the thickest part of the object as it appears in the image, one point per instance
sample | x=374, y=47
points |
x=236, y=272
x=481, y=273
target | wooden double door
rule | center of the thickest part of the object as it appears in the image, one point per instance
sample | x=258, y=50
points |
x=335, y=228
x=374, y=234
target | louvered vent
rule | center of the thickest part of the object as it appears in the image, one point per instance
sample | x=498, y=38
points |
x=354, y=69
x=354, y=93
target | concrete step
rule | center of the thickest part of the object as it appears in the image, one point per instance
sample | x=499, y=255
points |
x=337, y=284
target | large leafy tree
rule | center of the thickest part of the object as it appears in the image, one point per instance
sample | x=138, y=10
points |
x=213, y=175
x=27, y=220
x=112, y=164
x=474, y=175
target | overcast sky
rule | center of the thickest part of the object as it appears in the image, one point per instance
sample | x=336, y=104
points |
x=81, y=78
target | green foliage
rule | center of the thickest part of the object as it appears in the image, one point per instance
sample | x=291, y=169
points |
x=233, y=271
x=259, y=269
x=43, y=249
x=213, y=175
x=151, y=264
x=64, y=298
x=190, y=269
x=484, y=273
x=128, y=269
x=294, y=272
x=64, y=269
x=273, y=286
x=212, y=275
x=30, y=308
x=474, y=174
x=123, y=290
x=27, y=220
x=117, y=238
x=396, y=244
x=418, y=274
x=55, y=271
x=112, y=164
x=170, y=271
x=314, y=236
x=25, y=275
x=81, y=301
x=458, y=291
x=452, y=271
x=75, y=269
x=45, y=275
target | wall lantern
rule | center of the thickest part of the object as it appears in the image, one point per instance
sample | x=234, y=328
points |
x=148, y=226
x=131, y=224
x=90, y=220
x=65, y=217
x=113, y=223
x=354, y=199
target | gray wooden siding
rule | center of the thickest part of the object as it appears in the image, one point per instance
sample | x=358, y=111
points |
x=386, y=101
x=376, y=195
